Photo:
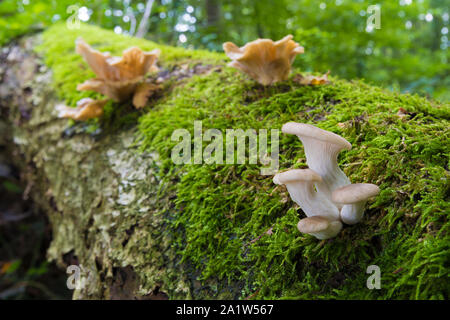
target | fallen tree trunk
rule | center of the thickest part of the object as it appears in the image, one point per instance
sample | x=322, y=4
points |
x=234, y=235
x=91, y=187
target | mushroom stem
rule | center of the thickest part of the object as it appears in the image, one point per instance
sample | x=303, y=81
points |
x=353, y=213
x=326, y=165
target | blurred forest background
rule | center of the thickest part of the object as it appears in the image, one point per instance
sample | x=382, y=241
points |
x=408, y=53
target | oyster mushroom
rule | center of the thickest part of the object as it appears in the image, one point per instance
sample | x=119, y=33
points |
x=87, y=108
x=117, y=77
x=353, y=197
x=264, y=60
x=320, y=227
x=321, y=149
x=133, y=64
x=300, y=185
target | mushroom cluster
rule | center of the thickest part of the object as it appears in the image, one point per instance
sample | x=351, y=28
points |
x=323, y=191
x=118, y=78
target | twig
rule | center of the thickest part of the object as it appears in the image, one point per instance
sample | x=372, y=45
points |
x=144, y=24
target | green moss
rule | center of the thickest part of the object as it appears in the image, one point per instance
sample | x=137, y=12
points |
x=69, y=68
x=224, y=211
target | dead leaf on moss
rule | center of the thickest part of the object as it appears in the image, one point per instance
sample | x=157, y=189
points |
x=311, y=80
x=402, y=113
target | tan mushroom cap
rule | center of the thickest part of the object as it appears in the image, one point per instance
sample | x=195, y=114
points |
x=87, y=108
x=264, y=60
x=273, y=49
x=313, y=224
x=307, y=130
x=133, y=64
x=296, y=175
x=356, y=192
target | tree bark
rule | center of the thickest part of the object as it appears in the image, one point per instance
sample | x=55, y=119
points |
x=98, y=190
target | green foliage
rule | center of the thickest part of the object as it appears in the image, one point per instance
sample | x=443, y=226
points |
x=409, y=51
x=224, y=211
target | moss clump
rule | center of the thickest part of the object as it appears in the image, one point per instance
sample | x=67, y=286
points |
x=224, y=211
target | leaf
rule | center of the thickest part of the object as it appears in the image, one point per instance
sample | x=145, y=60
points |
x=311, y=80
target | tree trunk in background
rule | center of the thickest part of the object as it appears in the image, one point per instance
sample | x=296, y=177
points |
x=98, y=190
x=213, y=16
x=145, y=20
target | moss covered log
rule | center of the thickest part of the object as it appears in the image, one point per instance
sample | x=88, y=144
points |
x=144, y=227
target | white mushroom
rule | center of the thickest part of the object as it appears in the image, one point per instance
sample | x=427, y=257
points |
x=300, y=184
x=321, y=150
x=320, y=227
x=354, y=197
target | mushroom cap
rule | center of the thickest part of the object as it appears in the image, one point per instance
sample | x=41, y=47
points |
x=87, y=108
x=307, y=130
x=296, y=175
x=313, y=224
x=356, y=192
x=273, y=49
x=264, y=60
x=134, y=63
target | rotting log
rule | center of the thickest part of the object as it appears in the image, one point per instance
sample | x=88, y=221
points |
x=138, y=236
x=98, y=191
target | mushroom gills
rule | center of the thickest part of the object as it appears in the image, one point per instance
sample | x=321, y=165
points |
x=300, y=185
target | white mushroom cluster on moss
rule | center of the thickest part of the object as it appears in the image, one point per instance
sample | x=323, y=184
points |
x=323, y=191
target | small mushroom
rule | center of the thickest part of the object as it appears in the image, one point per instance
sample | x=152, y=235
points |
x=264, y=60
x=353, y=197
x=117, y=77
x=321, y=149
x=87, y=108
x=320, y=227
x=300, y=185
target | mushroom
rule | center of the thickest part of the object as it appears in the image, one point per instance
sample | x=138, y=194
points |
x=117, y=77
x=87, y=108
x=264, y=60
x=300, y=185
x=353, y=197
x=321, y=150
x=319, y=227
x=143, y=92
